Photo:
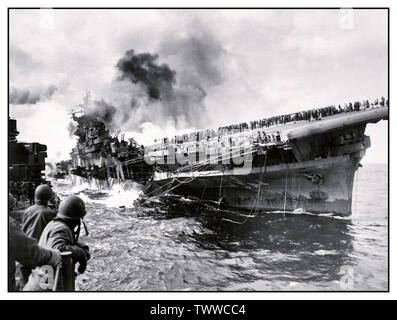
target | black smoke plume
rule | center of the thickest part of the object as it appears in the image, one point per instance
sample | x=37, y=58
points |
x=100, y=110
x=148, y=90
x=103, y=111
x=19, y=96
x=143, y=69
x=171, y=95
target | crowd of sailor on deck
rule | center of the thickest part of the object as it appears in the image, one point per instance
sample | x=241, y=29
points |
x=211, y=140
x=306, y=115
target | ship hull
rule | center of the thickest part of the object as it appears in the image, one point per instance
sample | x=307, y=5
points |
x=317, y=186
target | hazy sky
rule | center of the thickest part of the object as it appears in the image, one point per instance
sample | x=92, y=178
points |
x=247, y=64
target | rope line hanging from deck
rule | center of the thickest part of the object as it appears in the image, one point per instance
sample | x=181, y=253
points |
x=299, y=193
x=172, y=188
x=254, y=210
x=220, y=190
x=210, y=160
x=205, y=187
x=285, y=191
x=171, y=182
x=355, y=196
x=192, y=167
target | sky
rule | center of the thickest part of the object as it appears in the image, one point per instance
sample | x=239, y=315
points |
x=230, y=66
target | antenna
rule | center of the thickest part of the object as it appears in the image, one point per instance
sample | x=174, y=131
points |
x=87, y=98
x=80, y=107
x=117, y=133
x=74, y=112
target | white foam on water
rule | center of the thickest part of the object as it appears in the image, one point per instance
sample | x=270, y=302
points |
x=325, y=252
x=299, y=211
x=85, y=198
x=118, y=196
x=77, y=188
x=77, y=184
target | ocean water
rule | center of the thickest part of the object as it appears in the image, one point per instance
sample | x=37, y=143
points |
x=180, y=244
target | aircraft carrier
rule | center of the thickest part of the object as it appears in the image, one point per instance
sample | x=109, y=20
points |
x=305, y=160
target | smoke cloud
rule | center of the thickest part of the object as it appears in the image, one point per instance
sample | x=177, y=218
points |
x=71, y=129
x=142, y=69
x=103, y=111
x=165, y=89
x=159, y=93
x=19, y=96
x=198, y=58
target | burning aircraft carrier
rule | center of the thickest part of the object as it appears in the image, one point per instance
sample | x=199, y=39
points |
x=304, y=160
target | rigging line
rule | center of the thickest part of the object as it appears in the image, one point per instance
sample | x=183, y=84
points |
x=198, y=164
x=293, y=181
x=292, y=188
x=299, y=194
x=253, y=211
x=257, y=201
x=170, y=182
x=214, y=158
x=205, y=187
x=172, y=188
x=210, y=161
x=220, y=190
x=258, y=196
x=186, y=181
x=203, y=168
x=285, y=191
x=166, y=191
x=181, y=182
x=355, y=197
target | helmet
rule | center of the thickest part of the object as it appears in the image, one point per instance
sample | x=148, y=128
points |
x=72, y=208
x=11, y=201
x=43, y=193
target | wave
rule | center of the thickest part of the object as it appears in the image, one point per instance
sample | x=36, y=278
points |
x=120, y=195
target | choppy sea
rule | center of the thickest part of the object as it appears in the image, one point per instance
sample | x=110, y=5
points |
x=178, y=244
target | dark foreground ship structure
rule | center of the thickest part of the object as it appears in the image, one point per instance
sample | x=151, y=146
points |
x=305, y=160
x=26, y=160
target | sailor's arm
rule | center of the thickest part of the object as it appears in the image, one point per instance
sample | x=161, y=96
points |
x=61, y=240
x=27, y=252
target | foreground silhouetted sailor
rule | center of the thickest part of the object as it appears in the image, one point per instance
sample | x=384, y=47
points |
x=25, y=250
x=62, y=234
x=35, y=219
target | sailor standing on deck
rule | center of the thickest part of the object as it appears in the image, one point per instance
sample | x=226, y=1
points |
x=62, y=233
x=35, y=219
x=29, y=191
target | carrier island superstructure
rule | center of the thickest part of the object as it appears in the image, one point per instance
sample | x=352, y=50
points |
x=304, y=160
